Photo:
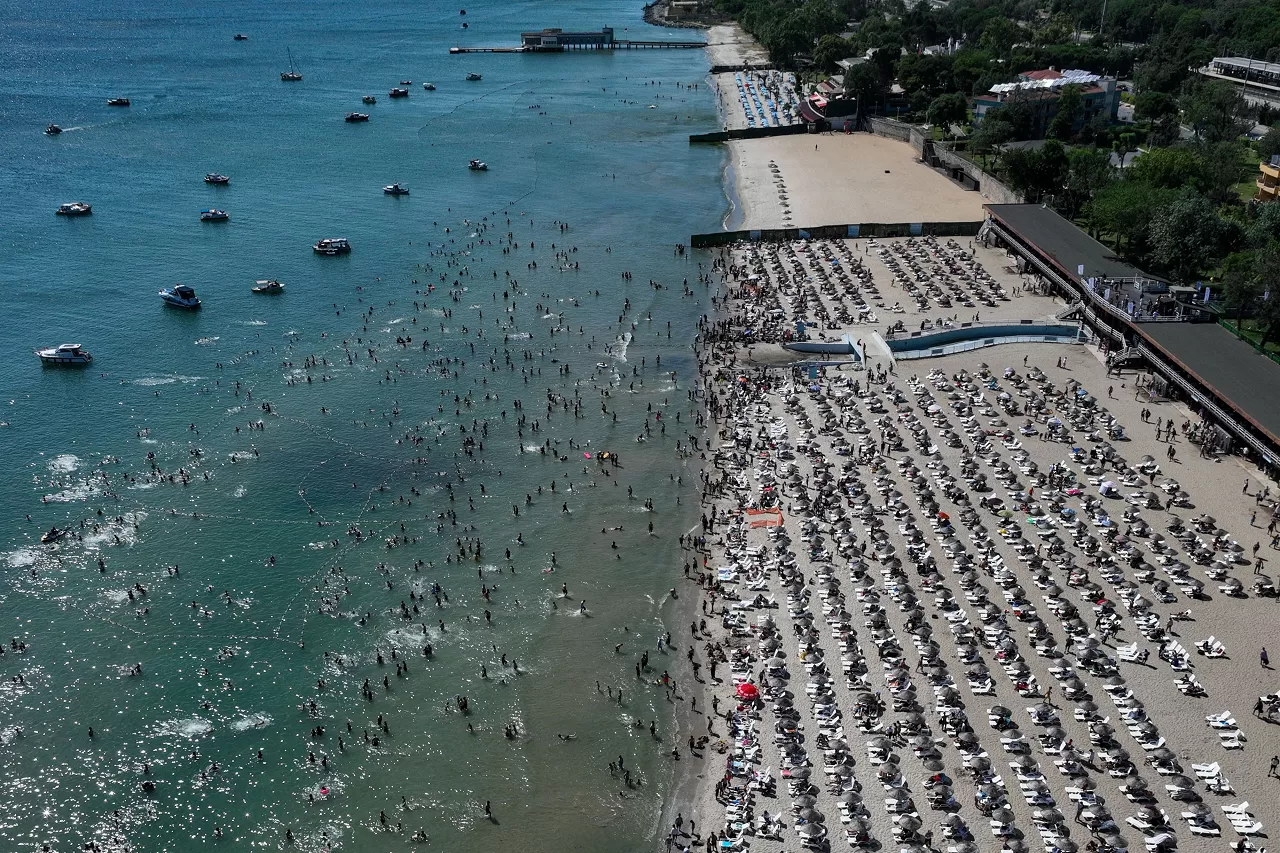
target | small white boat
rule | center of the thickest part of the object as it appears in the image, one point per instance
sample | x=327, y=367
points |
x=354, y=117
x=180, y=296
x=216, y=178
x=478, y=166
x=406, y=82
x=430, y=87
x=64, y=354
x=214, y=215
x=52, y=130
x=332, y=246
x=268, y=285
x=473, y=76
x=290, y=76
x=369, y=99
x=396, y=189
x=75, y=208
x=118, y=102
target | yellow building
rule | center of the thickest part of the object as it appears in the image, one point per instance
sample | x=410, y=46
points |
x=1269, y=180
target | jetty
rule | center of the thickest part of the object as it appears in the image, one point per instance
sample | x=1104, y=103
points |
x=556, y=40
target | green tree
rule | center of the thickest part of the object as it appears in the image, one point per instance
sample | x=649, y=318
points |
x=990, y=135
x=1153, y=106
x=1214, y=110
x=1186, y=235
x=1036, y=172
x=1124, y=210
x=862, y=81
x=1221, y=168
x=1240, y=291
x=946, y=110
x=1089, y=171
x=1166, y=168
x=1269, y=145
x=999, y=36
x=1063, y=124
x=830, y=50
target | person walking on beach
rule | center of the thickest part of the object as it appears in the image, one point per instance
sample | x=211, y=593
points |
x=1266, y=661
x=1275, y=762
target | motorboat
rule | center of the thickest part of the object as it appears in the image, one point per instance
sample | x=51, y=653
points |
x=478, y=166
x=369, y=99
x=406, y=82
x=53, y=535
x=118, y=102
x=332, y=246
x=290, y=76
x=180, y=296
x=241, y=37
x=354, y=117
x=52, y=130
x=396, y=189
x=215, y=178
x=397, y=92
x=75, y=208
x=268, y=285
x=214, y=215
x=430, y=87
x=473, y=76
x=64, y=354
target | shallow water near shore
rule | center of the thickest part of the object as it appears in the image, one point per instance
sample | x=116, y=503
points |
x=233, y=648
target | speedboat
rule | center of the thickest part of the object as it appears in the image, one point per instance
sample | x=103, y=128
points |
x=215, y=178
x=180, y=296
x=332, y=246
x=353, y=117
x=399, y=93
x=52, y=130
x=118, y=102
x=473, y=76
x=214, y=215
x=241, y=37
x=64, y=354
x=268, y=285
x=53, y=535
x=75, y=208
x=430, y=87
x=396, y=189
x=478, y=166
x=369, y=99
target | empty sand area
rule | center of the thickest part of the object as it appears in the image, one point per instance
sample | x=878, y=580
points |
x=845, y=179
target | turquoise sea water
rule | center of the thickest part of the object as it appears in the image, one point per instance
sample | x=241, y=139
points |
x=233, y=647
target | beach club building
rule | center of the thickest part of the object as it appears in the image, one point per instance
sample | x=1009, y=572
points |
x=1040, y=90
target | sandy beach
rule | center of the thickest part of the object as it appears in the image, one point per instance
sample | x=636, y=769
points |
x=847, y=179
x=729, y=44
x=826, y=545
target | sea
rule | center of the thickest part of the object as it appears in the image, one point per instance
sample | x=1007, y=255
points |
x=260, y=497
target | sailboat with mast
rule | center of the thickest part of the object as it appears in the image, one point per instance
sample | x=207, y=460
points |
x=290, y=76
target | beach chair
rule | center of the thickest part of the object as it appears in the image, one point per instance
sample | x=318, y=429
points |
x=1207, y=771
x=1219, y=785
x=1237, y=809
x=1201, y=829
